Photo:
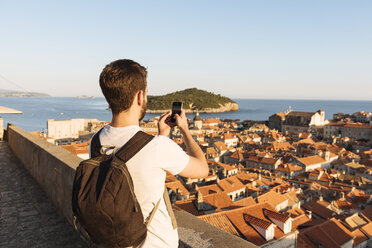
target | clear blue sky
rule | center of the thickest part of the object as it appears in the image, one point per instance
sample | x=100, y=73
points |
x=242, y=49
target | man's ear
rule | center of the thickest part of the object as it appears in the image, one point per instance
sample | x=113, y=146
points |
x=140, y=97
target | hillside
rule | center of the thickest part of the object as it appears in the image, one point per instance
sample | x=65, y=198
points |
x=194, y=100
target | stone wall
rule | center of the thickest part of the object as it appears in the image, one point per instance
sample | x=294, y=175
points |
x=54, y=168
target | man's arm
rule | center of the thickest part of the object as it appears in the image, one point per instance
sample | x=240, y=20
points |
x=197, y=166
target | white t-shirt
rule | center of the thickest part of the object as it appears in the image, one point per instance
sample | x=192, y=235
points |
x=147, y=169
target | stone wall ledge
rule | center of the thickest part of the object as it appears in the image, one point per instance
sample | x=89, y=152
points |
x=54, y=169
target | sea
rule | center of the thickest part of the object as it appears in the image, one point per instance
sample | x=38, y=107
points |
x=36, y=111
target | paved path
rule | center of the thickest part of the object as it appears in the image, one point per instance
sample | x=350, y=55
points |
x=27, y=217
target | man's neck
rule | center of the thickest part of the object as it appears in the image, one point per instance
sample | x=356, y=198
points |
x=124, y=119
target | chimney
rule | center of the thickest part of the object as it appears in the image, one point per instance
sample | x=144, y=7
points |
x=224, y=173
x=327, y=155
x=321, y=198
x=200, y=201
x=342, y=195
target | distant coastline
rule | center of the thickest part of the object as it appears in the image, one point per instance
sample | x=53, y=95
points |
x=21, y=94
x=36, y=111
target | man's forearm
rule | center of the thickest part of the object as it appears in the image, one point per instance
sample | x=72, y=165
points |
x=192, y=147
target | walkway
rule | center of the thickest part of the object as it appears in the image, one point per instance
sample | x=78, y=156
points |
x=27, y=217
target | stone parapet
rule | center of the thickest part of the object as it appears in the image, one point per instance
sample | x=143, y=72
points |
x=54, y=168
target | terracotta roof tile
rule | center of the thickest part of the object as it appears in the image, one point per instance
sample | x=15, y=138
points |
x=319, y=209
x=316, y=235
x=339, y=232
x=299, y=220
x=238, y=154
x=295, y=212
x=248, y=201
x=219, y=201
x=275, y=215
x=227, y=136
x=272, y=198
x=236, y=217
x=80, y=148
x=38, y=134
x=230, y=184
x=220, y=146
x=246, y=230
x=271, y=161
x=278, y=233
x=284, y=146
x=211, y=120
x=257, y=221
x=209, y=189
x=220, y=221
x=188, y=206
x=368, y=212
x=321, y=234
x=367, y=229
x=177, y=186
x=290, y=167
x=226, y=166
x=307, y=161
x=246, y=178
x=358, y=125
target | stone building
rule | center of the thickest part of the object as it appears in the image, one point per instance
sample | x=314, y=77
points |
x=302, y=121
x=276, y=121
x=67, y=128
x=352, y=130
x=198, y=121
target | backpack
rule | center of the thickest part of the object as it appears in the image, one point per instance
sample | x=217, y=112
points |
x=103, y=199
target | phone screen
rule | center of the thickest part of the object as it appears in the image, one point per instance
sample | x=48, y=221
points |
x=176, y=109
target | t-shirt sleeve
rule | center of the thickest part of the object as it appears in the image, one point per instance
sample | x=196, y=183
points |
x=170, y=156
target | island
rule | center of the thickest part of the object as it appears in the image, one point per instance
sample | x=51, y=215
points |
x=194, y=100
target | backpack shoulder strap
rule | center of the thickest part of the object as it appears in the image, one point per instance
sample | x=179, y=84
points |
x=134, y=145
x=95, y=145
x=169, y=207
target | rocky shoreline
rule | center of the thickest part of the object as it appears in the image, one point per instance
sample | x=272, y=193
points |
x=228, y=107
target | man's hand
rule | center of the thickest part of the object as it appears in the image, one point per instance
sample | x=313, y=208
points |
x=165, y=125
x=181, y=121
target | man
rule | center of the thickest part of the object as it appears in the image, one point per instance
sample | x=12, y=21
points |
x=124, y=85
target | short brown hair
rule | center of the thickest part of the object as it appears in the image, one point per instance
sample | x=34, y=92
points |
x=120, y=81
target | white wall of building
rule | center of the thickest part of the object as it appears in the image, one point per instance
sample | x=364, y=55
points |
x=67, y=128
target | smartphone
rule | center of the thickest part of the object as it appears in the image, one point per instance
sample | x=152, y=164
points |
x=176, y=109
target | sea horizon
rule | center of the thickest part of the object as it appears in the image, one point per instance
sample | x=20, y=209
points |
x=232, y=98
x=36, y=111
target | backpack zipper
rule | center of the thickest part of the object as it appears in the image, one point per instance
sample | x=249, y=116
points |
x=131, y=188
